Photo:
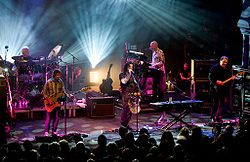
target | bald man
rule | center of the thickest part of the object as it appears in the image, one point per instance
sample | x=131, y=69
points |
x=158, y=61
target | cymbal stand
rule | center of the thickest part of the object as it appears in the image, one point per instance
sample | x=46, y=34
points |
x=72, y=70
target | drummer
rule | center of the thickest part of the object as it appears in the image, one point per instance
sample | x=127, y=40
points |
x=24, y=62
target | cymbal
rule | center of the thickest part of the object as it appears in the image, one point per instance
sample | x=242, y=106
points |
x=55, y=51
x=20, y=58
x=5, y=64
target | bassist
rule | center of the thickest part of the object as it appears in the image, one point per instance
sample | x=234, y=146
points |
x=53, y=93
x=220, y=89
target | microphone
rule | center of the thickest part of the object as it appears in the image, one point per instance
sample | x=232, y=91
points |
x=6, y=47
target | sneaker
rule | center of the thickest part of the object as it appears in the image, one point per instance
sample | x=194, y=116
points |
x=46, y=134
x=55, y=133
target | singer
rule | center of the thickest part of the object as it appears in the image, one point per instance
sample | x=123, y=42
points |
x=128, y=85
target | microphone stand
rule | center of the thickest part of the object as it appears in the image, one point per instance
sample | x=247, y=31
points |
x=72, y=70
x=137, y=113
x=65, y=101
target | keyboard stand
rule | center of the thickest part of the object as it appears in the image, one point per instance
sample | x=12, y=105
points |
x=177, y=118
x=185, y=107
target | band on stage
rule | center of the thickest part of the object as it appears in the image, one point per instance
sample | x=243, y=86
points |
x=28, y=75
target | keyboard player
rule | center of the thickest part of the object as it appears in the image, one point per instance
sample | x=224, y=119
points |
x=157, y=65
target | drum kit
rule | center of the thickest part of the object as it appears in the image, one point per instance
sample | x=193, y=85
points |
x=29, y=76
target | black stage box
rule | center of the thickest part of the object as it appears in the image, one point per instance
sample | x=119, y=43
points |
x=100, y=107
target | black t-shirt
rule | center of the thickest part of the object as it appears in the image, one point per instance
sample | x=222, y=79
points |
x=219, y=73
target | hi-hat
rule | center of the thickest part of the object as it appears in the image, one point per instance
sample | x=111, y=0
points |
x=6, y=64
x=20, y=58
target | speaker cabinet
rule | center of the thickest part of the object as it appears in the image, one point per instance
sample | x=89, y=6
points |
x=200, y=82
x=3, y=109
x=200, y=69
x=100, y=107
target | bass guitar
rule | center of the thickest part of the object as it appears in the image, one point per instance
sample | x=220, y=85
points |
x=231, y=78
x=52, y=102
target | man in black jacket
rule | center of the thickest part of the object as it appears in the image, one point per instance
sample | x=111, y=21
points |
x=218, y=74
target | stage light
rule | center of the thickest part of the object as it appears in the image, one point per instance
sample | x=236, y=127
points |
x=96, y=26
x=16, y=30
x=93, y=77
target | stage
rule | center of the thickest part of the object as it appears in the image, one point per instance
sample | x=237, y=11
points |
x=81, y=124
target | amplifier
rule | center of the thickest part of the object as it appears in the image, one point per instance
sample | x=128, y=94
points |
x=200, y=68
x=100, y=107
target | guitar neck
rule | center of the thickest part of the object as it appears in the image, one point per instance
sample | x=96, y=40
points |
x=224, y=82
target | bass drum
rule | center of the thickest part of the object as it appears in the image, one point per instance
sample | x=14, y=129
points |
x=34, y=95
x=38, y=73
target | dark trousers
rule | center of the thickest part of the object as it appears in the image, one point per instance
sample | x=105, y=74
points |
x=54, y=115
x=159, y=86
x=221, y=103
x=126, y=113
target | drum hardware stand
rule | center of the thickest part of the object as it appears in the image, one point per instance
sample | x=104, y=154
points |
x=6, y=74
x=9, y=94
x=72, y=70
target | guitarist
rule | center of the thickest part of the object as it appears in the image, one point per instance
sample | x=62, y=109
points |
x=53, y=93
x=220, y=90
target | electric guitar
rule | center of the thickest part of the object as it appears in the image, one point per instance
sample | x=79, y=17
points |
x=231, y=78
x=51, y=102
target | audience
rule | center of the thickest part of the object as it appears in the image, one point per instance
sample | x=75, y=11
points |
x=190, y=145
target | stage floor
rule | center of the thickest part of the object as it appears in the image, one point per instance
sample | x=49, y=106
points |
x=32, y=128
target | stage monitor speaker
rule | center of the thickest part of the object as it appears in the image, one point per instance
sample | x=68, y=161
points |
x=100, y=107
x=48, y=139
